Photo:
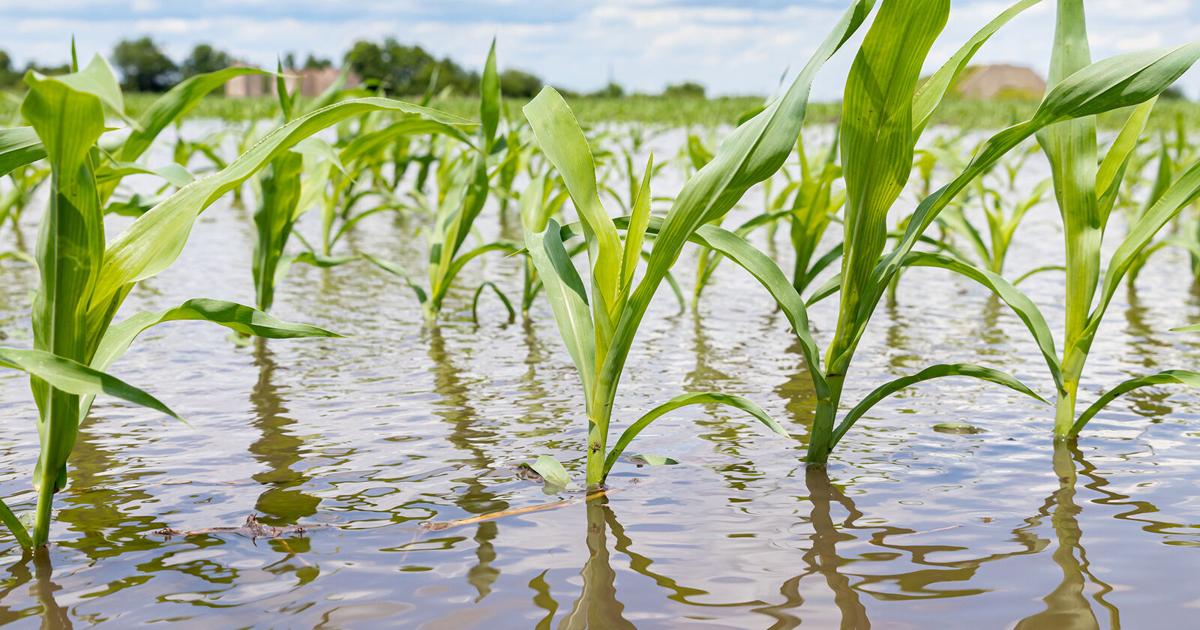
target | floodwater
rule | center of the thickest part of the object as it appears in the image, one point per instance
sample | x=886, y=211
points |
x=362, y=440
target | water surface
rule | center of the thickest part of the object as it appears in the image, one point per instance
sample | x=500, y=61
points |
x=366, y=438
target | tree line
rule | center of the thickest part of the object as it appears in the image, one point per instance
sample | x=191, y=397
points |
x=396, y=68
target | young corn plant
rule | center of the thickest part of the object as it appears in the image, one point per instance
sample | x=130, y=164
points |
x=808, y=204
x=880, y=127
x=290, y=187
x=599, y=322
x=1002, y=212
x=1086, y=187
x=462, y=194
x=85, y=280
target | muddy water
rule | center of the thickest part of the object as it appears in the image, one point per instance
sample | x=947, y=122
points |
x=364, y=439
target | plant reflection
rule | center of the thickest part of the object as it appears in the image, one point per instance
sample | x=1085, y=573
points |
x=469, y=437
x=53, y=616
x=278, y=449
x=597, y=605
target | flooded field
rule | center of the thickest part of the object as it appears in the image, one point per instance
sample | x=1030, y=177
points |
x=365, y=441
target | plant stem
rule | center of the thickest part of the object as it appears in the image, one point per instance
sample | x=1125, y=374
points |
x=596, y=450
x=45, y=508
x=820, y=441
x=1064, y=415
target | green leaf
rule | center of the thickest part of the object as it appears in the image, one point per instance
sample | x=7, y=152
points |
x=236, y=317
x=1178, y=196
x=562, y=141
x=634, y=234
x=935, y=88
x=551, y=472
x=936, y=371
x=877, y=141
x=1168, y=377
x=568, y=299
x=70, y=251
x=156, y=239
x=683, y=400
x=15, y=526
x=19, y=146
x=489, y=99
x=174, y=105
x=77, y=379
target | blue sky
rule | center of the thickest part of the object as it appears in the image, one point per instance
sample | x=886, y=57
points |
x=731, y=46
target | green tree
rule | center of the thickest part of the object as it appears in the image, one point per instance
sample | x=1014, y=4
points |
x=143, y=66
x=316, y=63
x=518, y=83
x=8, y=76
x=407, y=70
x=687, y=89
x=204, y=58
x=612, y=90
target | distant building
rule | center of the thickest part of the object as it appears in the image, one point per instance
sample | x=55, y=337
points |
x=311, y=82
x=1000, y=81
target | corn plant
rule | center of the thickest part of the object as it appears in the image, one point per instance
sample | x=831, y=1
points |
x=1002, y=211
x=599, y=324
x=290, y=187
x=807, y=204
x=464, y=183
x=880, y=127
x=85, y=280
x=1086, y=188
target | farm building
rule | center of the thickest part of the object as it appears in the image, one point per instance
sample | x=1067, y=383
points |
x=1000, y=81
x=310, y=81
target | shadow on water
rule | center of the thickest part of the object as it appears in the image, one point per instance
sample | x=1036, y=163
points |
x=469, y=437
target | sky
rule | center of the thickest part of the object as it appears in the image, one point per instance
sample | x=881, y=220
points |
x=730, y=46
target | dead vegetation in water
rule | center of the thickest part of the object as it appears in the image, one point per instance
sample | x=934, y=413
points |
x=252, y=528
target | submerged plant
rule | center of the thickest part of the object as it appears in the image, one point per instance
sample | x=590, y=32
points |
x=879, y=131
x=1086, y=187
x=598, y=323
x=84, y=280
x=464, y=183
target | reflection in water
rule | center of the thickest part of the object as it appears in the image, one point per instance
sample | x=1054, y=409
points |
x=822, y=557
x=1067, y=605
x=1146, y=346
x=43, y=590
x=100, y=502
x=278, y=448
x=597, y=606
x=468, y=438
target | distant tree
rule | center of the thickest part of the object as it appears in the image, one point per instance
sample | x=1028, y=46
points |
x=50, y=71
x=289, y=61
x=143, y=66
x=612, y=90
x=687, y=89
x=9, y=77
x=316, y=63
x=520, y=84
x=405, y=70
x=1173, y=93
x=204, y=58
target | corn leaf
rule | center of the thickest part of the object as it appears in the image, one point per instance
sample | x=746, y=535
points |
x=683, y=400
x=1167, y=377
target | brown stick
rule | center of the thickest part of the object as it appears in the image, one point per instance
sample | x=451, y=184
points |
x=437, y=526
